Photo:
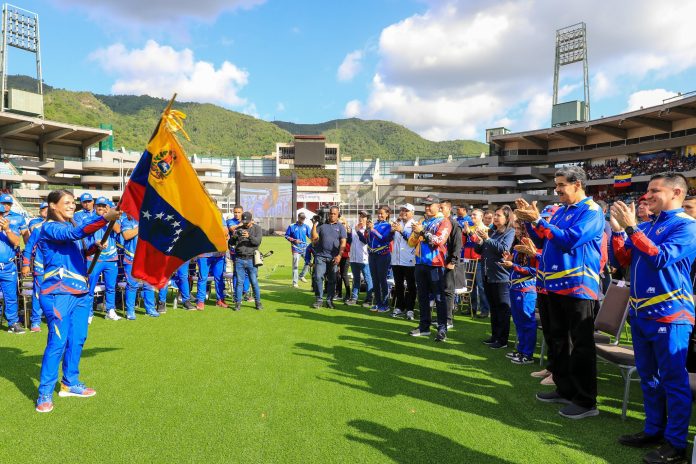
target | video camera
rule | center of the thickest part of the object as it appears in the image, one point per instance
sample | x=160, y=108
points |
x=321, y=216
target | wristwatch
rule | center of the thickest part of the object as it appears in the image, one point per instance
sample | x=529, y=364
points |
x=629, y=230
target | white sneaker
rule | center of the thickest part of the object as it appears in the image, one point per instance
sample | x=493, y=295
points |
x=397, y=312
x=89, y=320
x=410, y=316
x=111, y=315
x=303, y=279
x=295, y=285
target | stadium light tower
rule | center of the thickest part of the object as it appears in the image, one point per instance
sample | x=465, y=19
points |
x=20, y=29
x=571, y=47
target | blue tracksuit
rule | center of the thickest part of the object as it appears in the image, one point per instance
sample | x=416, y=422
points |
x=8, y=268
x=522, y=304
x=662, y=316
x=107, y=264
x=132, y=285
x=35, y=222
x=378, y=241
x=64, y=299
x=181, y=280
x=206, y=263
x=31, y=256
x=83, y=215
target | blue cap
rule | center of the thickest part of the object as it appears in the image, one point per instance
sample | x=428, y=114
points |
x=111, y=204
x=101, y=201
x=6, y=198
x=86, y=197
x=43, y=205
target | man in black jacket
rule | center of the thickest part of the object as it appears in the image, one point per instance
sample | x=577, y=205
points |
x=247, y=239
x=454, y=252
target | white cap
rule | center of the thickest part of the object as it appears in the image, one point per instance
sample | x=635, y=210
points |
x=408, y=206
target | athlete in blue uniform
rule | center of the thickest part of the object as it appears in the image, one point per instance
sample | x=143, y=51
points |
x=43, y=209
x=32, y=262
x=12, y=227
x=214, y=261
x=87, y=211
x=129, y=234
x=661, y=309
x=107, y=263
x=64, y=296
x=180, y=278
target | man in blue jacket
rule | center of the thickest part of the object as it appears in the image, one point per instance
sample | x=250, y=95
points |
x=298, y=234
x=569, y=269
x=661, y=309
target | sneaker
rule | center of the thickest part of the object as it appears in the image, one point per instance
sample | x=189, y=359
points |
x=317, y=304
x=573, y=411
x=417, y=332
x=329, y=304
x=367, y=304
x=441, y=336
x=548, y=381
x=397, y=313
x=303, y=279
x=497, y=346
x=542, y=374
x=295, y=285
x=259, y=306
x=188, y=306
x=79, y=390
x=112, y=316
x=410, y=315
x=640, y=440
x=666, y=454
x=248, y=297
x=35, y=328
x=237, y=306
x=351, y=302
x=481, y=316
x=221, y=304
x=16, y=328
x=551, y=397
x=383, y=309
x=161, y=307
x=153, y=314
x=200, y=306
x=522, y=359
x=89, y=319
x=512, y=354
x=450, y=326
x=130, y=317
x=489, y=341
x=374, y=308
x=44, y=403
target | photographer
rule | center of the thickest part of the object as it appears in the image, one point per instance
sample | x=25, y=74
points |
x=246, y=240
x=329, y=241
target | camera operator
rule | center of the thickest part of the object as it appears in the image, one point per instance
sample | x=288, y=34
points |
x=329, y=241
x=246, y=239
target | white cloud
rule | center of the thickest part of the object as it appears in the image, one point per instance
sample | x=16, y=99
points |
x=159, y=71
x=646, y=98
x=352, y=65
x=463, y=65
x=158, y=11
x=353, y=109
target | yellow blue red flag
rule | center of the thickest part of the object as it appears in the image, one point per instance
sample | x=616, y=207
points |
x=623, y=180
x=177, y=218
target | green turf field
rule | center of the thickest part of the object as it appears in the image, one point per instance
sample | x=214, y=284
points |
x=290, y=384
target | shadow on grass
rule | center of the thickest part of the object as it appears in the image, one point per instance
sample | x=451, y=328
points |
x=410, y=445
x=23, y=371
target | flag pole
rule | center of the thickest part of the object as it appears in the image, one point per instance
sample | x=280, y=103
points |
x=110, y=227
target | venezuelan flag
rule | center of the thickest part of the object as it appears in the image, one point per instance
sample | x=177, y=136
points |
x=622, y=181
x=177, y=218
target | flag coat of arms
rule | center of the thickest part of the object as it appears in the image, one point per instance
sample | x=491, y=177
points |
x=623, y=180
x=177, y=218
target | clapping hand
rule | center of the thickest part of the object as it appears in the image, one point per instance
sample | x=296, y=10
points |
x=417, y=227
x=482, y=232
x=624, y=215
x=396, y=227
x=526, y=247
x=507, y=260
x=526, y=212
x=4, y=224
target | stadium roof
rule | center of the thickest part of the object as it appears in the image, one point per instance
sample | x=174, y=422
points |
x=30, y=136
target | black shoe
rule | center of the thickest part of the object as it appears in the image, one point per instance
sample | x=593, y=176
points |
x=317, y=304
x=666, y=454
x=522, y=359
x=161, y=307
x=441, y=336
x=488, y=341
x=574, y=411
x=189, y=306
x=640, y=440
x=512, y=354
x=551, y=397
x=497, y=346
x=481, y=316
x=237, y=306
x=329, y=304
x=259, y=306
x=16, y=328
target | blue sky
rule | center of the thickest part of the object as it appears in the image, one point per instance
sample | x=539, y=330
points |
x=445, y=69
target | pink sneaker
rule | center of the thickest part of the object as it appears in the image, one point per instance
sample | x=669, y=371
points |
x=79, y=390
x=221, y=303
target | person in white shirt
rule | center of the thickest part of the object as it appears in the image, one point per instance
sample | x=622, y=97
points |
x=359, y=261
x=403, y=262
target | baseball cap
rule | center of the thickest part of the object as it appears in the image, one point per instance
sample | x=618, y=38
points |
x=408, y=206
x=101, y=201
x=363, y=213
x=548, y=211
x=246, y=217
x=86, y=197
x=111, y=203
x=6, y=198
x=43, y=205
x=430, y=199
x=643, y=198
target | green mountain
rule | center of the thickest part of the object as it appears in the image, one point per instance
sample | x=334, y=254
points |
x=220, y=132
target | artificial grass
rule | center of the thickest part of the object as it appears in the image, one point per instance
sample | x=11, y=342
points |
x=291, y=384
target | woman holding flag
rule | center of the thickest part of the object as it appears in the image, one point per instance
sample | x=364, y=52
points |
x=64, y=295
